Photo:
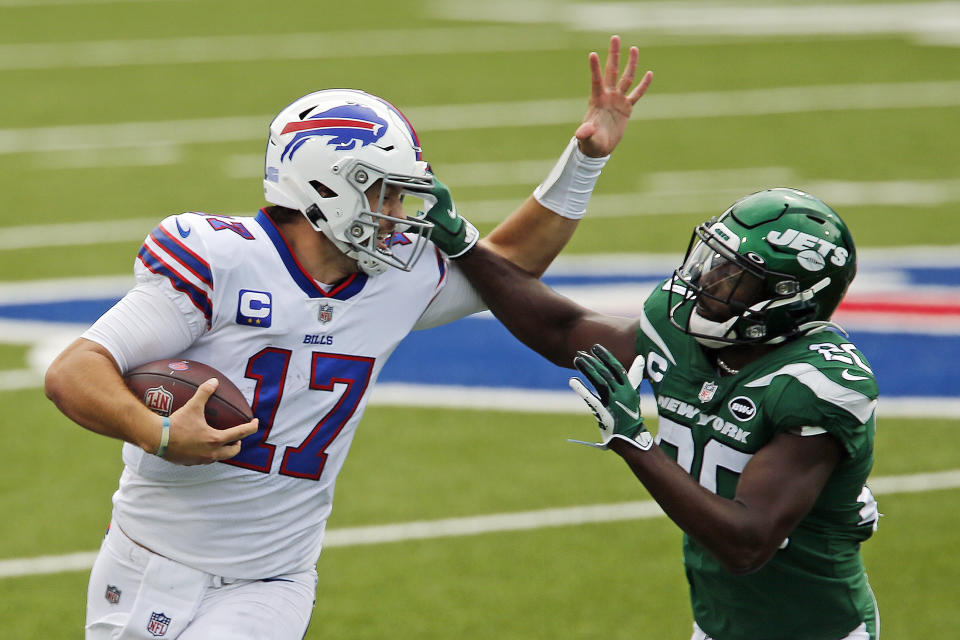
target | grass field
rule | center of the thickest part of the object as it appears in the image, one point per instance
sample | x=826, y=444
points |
x=117, y=113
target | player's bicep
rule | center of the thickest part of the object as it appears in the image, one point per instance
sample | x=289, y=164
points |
x=146, y=324
x=782, y=481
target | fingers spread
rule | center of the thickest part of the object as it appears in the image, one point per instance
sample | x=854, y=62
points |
x=596, y=83
x=613, y=62
x=630, y=72
x=641, y=88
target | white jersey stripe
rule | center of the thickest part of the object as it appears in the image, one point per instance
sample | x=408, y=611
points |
x=857, y=404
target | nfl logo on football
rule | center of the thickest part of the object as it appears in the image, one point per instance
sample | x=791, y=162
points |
x=158, y=624
x=158, y=400
x=325, y=314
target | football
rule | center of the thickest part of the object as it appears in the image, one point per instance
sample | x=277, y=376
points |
x=166, y=385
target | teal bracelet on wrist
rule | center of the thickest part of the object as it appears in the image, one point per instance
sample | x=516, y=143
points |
x=164, y=436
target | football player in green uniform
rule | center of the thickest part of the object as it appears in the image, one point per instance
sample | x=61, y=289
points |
x=766, y=409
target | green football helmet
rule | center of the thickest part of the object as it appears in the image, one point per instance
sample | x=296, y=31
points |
x=775, y=265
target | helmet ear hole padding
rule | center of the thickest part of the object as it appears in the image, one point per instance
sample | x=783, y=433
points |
x=323, y=190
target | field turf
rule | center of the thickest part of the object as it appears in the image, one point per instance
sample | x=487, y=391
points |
x=133, y=110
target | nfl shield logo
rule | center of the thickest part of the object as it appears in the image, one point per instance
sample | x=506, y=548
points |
x=158, y=624
x=707, y=391
x=326, y=313
x=158, y=400
x=112, y=595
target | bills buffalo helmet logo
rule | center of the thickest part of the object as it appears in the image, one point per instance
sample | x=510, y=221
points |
x=346, y=126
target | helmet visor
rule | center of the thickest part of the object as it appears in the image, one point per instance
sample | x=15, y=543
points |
x=718, y=284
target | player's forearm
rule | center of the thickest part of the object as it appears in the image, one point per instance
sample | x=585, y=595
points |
x=730, y=531
x=531, y=237
x=85, y=385
x=539, y=317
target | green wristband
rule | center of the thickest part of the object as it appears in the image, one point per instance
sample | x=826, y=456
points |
x=164, y=436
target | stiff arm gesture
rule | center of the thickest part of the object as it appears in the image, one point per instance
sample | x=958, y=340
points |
x=610, y=105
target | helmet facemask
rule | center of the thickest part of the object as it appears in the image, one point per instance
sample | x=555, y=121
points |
x=728, y=294
x=372, y=233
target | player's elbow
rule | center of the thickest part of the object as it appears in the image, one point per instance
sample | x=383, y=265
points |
x=62, y=377
x=53, y=383
x=746, y=562
x=57, y=381
x=749, y=552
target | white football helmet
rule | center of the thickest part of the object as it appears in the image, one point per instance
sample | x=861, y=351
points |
x=325, y=150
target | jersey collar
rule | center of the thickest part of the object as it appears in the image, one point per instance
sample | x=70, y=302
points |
x=344, y=290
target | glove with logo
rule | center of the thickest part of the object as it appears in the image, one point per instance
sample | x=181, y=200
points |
x=616, y=405
x=453, y=234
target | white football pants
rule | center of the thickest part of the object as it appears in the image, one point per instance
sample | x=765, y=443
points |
x=134, y=593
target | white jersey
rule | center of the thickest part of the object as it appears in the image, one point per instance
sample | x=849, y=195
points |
x=305, y=359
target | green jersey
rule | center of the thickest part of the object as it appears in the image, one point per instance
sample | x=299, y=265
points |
x=815, y=586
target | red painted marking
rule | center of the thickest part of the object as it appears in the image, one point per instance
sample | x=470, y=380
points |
x=925, y=308
x=323, y=123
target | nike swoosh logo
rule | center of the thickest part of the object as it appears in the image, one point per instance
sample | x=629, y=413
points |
x=452, y=213
x=633, y=414
x=846, y=375
x=183, y=232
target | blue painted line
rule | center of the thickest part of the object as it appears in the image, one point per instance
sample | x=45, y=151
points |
x=480, y=351
x=73, y=311
x=943, y=276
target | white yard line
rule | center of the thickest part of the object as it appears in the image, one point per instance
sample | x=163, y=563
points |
x=71, y=234
x=285, y=46
x=564, y=401
x=689, y=22
x=924, y=21
x=528, y=113
x=477, y=525
x=698, y=198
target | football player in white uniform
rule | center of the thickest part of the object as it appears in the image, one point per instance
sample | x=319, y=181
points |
x=300, y=306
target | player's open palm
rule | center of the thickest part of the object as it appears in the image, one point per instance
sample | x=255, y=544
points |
x=611, y=100
x=193, y=441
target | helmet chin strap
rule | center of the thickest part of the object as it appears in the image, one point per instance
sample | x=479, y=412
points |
x=368, y=264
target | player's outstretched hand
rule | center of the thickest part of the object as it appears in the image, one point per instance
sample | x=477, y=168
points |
x=616, y=405
x=452, y=233
x=610, y=103
x=193, y=441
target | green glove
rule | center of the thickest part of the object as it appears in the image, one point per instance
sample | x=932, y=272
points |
x=616, y=405
x=453, y=234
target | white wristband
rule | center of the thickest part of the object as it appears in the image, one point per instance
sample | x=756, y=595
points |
x=567, y=189
x=164, y=437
